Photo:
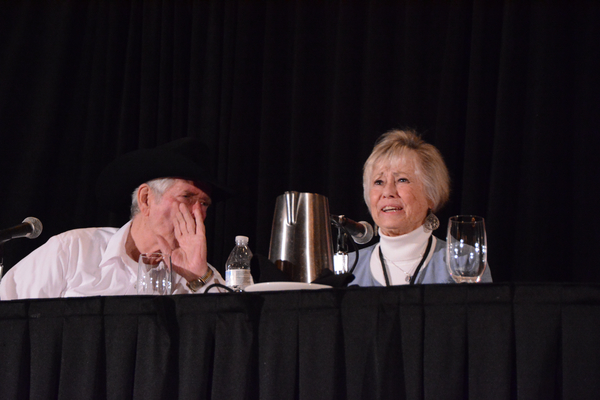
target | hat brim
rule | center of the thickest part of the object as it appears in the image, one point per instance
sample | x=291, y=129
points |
x=122, y=176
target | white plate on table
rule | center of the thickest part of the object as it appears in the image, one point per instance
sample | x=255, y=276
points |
x=274, y=286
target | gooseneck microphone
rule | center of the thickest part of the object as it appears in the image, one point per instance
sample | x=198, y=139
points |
x=30, y=228
x=361, y=232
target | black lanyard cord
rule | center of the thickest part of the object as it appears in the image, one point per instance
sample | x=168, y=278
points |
x=414, y=277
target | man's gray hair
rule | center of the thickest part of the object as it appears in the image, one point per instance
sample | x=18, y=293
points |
x=158, y=186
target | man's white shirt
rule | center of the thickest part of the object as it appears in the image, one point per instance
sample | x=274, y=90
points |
x=81, y=262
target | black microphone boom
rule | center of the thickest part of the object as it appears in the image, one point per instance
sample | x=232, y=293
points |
x=361, y=232
x=30, y=228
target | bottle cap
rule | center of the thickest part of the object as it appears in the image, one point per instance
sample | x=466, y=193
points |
x=241, y=240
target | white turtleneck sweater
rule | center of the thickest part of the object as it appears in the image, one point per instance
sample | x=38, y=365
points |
x=402, y=255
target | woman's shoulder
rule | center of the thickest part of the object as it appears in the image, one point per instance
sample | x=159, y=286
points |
x=362, y=270
x=363, y=253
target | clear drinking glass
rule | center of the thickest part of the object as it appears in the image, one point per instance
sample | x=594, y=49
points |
x=466, y=248
x=154, y=274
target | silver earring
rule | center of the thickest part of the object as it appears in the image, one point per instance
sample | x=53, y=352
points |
x=431, y=222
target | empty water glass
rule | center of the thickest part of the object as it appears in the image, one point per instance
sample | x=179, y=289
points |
x=154, y=274
x=466, y=248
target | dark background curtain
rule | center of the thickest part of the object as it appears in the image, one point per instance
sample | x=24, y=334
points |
x=292, y=95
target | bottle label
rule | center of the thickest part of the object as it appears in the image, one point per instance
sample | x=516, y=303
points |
x=238, y=278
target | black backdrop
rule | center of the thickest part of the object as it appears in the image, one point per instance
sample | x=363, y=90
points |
x=292, y=95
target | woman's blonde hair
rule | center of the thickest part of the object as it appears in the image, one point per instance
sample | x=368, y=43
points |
x=430, y=168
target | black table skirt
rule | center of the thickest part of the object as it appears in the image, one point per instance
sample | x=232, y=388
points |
x=496, y=341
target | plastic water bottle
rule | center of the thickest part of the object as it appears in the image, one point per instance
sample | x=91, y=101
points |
x=237, y=269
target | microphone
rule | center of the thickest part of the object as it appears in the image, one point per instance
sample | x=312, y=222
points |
x=30, y=228
x=361, y=232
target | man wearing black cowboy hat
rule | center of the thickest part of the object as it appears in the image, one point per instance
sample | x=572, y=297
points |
x=169, y=189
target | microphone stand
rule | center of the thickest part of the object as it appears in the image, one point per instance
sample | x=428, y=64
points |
x=340, y=258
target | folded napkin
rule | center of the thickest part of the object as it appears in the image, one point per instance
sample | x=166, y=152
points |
x=264, y=270
x=327, y=277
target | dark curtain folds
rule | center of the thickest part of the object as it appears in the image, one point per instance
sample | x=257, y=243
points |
x=292, y=95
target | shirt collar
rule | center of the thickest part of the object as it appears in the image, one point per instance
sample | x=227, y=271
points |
x=116, y=246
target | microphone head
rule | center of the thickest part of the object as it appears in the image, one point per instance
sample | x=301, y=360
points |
x=365, y=237
x=36, y=224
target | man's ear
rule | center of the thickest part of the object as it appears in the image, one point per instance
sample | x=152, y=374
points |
x=143, y=198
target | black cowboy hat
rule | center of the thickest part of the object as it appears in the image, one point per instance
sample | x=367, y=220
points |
x=186, y=158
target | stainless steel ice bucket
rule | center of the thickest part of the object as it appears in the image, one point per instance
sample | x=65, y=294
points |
x=301, y=244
